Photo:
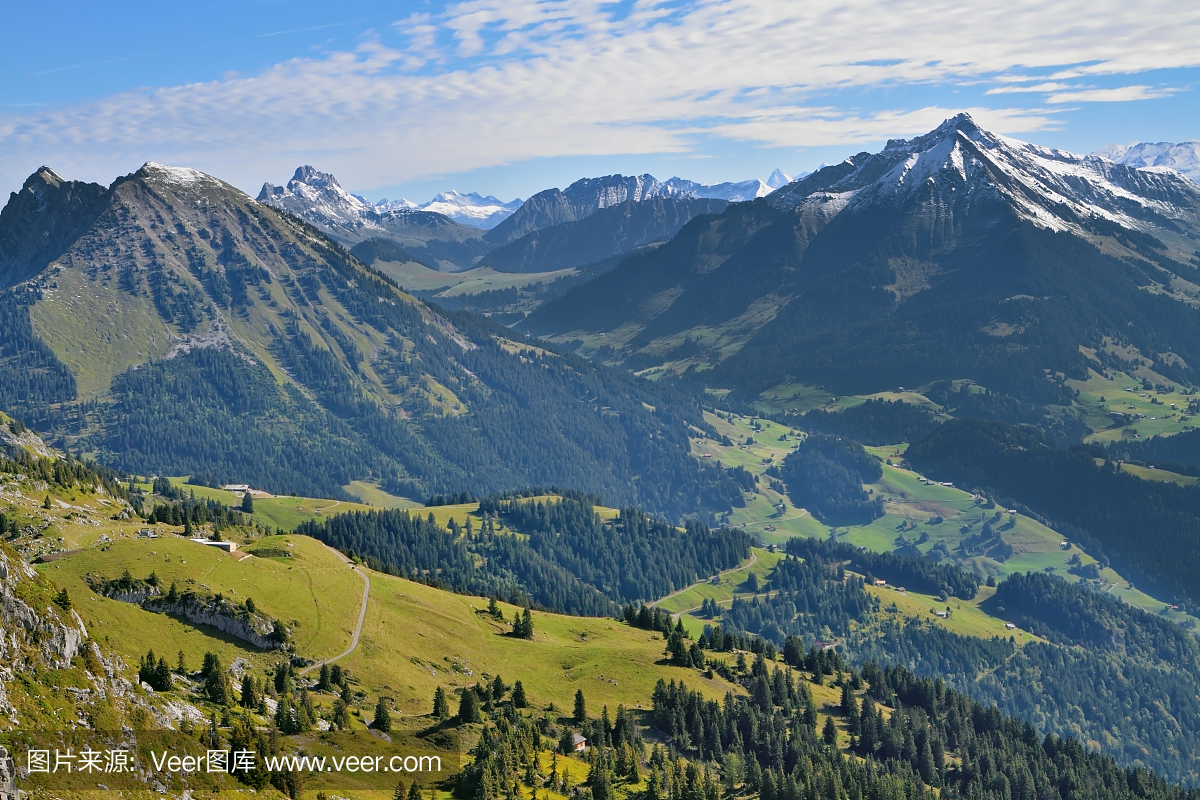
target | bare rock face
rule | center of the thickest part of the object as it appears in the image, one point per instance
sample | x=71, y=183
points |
x=42, y=220
x=253, y=628
x=59, y=638
x=8, y=775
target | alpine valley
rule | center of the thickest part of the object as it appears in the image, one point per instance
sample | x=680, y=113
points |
x=876, y=484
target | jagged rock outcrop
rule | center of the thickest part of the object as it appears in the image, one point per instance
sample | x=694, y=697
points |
x=42, y=220
x=257, y=629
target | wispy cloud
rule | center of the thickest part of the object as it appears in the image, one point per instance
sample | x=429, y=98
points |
x=306, y=30
x=489, y=82
x=1122, y=94
x=1038, y=87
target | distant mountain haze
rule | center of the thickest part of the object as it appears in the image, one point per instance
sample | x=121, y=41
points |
x=1183, y=157
x=454, y=230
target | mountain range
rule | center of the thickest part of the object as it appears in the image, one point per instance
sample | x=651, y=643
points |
x=170, y=321
x=957, y=254
x=469, y=208
x=467, y=226
x=1183, y=157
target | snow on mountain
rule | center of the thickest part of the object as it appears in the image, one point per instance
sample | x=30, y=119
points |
x=383, y=206
x=472, y=209
x=318, y=198
x=1183, y=157
x=734, y=192
x=778, y=178
x=959, y=169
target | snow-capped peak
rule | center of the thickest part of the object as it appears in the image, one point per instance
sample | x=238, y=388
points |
x=778, y=178
x=311, y=193
x=733, y=191
x=959, y=167
x=179, y=176
x=1183, y=157
x=471, y=208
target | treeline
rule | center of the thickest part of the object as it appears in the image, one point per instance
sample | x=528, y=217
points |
x=811, y=599
x=1179, y=452
x=542, y=417
x=1147, y=526
x=875, y=422
x=31, y=375
x=825, y=475
x=568, y=559
x=934, y=738
x=918, y=573
x=632, y=557
x=1113, y=674
x=1059, y=611
x=417, y=548
x=67, y=472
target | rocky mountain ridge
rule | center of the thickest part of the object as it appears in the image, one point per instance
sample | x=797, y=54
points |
x=860, y=275
x=272, y=355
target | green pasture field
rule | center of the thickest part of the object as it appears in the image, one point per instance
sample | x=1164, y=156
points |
x=1160, y=419
x=313, y=592
x=412, y=276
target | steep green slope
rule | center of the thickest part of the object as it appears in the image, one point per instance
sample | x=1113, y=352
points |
x=189, y=329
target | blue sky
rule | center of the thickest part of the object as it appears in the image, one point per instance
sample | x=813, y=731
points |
x=511, y=96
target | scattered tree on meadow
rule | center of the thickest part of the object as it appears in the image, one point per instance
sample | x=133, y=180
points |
x=383, y=720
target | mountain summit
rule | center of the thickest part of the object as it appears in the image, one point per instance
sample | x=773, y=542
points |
x=168, y=322
x=957, y=254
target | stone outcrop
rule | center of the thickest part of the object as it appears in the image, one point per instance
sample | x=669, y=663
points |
x=256, y=629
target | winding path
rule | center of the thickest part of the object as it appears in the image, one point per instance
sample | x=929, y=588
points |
x=362, y=615
x=750, y=563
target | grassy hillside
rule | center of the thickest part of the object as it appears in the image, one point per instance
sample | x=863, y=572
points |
x=911, y=505
x=311, y=590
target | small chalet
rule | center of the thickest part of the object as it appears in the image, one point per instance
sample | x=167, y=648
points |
x=579, y=743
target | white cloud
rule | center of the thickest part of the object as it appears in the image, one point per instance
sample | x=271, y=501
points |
x=490, y=82
x=1039, y=87
x=1121, y=94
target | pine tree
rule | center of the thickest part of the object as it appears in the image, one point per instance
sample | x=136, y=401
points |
x=601, y=789
x=518, y=697
x=526, y=624
x=324, y=683
x=468, y=706
x=441, y=707
x=247, y=503
x=401, y=792
x=162, y=676
x=829, y=732
x=249, y=696
x=62, y=599
x=383, y=720
x=414, y=792
x=580, y=707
